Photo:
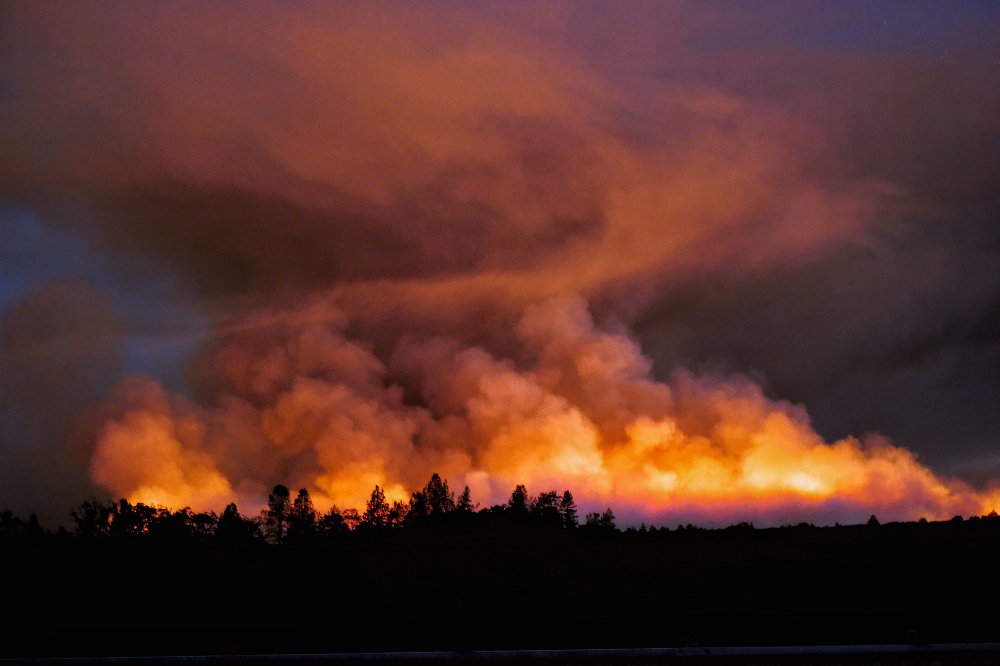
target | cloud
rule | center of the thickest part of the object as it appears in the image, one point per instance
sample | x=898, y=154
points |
x=355, y=145
x=61, y=351
x=580, y=410
x=360, y=199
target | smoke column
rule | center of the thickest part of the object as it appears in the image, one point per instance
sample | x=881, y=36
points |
x=424, y=241
x=301, y=401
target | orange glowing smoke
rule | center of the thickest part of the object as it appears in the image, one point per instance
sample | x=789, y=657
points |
x=303, y=404
x=448, y=176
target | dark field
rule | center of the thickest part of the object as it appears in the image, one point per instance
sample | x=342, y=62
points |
x=445, y=586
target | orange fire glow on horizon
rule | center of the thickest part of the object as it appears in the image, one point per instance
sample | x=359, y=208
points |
x=430, y=239
x=305, y=405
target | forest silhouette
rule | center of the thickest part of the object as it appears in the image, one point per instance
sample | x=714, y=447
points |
x=441, y=572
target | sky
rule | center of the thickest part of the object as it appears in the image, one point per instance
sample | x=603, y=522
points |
x=703, y=262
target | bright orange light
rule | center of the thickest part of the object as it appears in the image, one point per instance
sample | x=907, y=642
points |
x=586, y=417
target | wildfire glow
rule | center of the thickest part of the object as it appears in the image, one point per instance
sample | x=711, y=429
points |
x=320, y=410
x=392, y=243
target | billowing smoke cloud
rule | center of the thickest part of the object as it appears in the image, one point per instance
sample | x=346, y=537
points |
x=402, y=222
x=301, y=401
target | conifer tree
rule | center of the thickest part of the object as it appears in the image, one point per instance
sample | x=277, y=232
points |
x=332, y=523
x=418, y=506
x=546, y=509
x=397, y=514
x=439, y=498
x=608, y=519
x=465, y=502
x=567, y=508
x=377, y=510
x=351, y=518
x=234, y=528
x=276, y=514
x=519, y=501
x=302, y=518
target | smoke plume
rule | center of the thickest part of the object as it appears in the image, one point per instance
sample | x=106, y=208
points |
x=545, y=245
x=300, y=400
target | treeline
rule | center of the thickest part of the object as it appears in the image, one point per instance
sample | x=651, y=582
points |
x=439, y=572
x=286, y=519
x=296, y=520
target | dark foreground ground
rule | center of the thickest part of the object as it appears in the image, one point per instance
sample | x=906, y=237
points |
x=462, y=593
x=896, y=655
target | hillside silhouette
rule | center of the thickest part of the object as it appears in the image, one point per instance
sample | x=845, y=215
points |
x=440, y=572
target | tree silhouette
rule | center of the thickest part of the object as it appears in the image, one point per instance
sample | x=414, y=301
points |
x=464, y=503
x=128, y=520
x=418, y=506
x=9, y=522
x=180, y=525
x=398, y=513
x=545, y=509
x=351, y=518
x=434, y=499
x=604, y=520
x=125, y=555
x=332, y=523
x=302, y=518
x=276, y=514
x=439, y=498
x=92, y=519
x=234, y=528
x=608, y=519
x=377, y=510
x=567, y=508
x=519, y=501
